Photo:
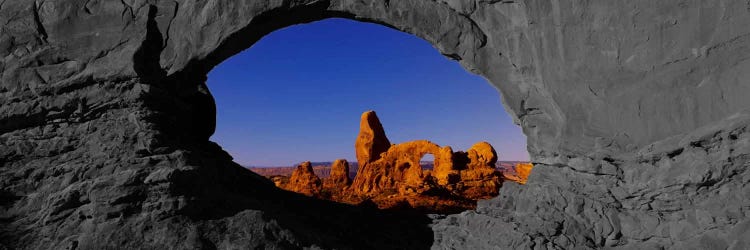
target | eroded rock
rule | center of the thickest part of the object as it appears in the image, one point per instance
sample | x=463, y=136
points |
x=479, y=178
x=635, y=112
x=396, y=167
x=481, y=156
x=304, y=180
x=339, y=176
x=519, y=173
x=371, y=140
x=396, y=180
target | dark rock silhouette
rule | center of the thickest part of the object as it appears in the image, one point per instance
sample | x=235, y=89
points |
x=636, y=115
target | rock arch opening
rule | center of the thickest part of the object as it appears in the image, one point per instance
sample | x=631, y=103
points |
x=105, y=120
x=445, y=116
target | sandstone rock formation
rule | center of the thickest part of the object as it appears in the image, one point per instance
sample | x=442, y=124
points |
x=479, y=178
x=304, y=180
x=636, y=114
x=519, y=173
x=397, y=166
x=371, y=140
x=395, y=179
x=339, y=177
x=481, y=156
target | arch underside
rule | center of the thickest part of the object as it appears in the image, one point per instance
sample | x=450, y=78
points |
x=638, y=142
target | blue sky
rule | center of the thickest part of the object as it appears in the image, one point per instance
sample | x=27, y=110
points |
x=298, y=93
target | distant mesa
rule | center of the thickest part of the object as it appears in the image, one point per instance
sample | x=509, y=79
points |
x=391, y=176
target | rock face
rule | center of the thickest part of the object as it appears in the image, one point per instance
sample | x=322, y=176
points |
x=636, y=114
x=519, y=173
x=398, y=165
x=481, y=156
x=371, y=141
x=478, y=178
x=399, y=176
x=339, y=177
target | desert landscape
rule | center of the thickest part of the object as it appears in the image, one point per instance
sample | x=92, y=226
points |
x=392, y=176
x=323, y=169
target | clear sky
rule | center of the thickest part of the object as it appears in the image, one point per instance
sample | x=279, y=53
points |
x=298, y=93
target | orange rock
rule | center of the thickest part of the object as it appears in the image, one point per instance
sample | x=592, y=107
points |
x=481, y=155
x=519, y=173
x=397, y=171
x=371, y=141
x=399, y=166
x=523, y=170
x=478, y=184
x=339, y=177
x=304, y=180
x=391, y=177
x=445, y=169
x=476, y=177
x=279, y=180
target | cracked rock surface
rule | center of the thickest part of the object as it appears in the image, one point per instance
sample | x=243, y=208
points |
x=636, y=114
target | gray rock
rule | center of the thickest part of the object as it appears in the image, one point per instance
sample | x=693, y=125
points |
x=636, y=114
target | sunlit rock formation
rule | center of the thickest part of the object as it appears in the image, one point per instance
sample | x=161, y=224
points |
x=339, y=176
x=398, y=166
x=470, y=174
x=336, y=185
x=519, y=173
x=391, y=177
x=478, y=178
x=304, y=180
x=371, y=140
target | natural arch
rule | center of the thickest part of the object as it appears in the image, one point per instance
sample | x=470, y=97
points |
x=296, y=95
x=183, y=66
x=625, y=129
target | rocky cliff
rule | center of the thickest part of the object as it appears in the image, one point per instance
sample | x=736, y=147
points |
x=636, y=114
